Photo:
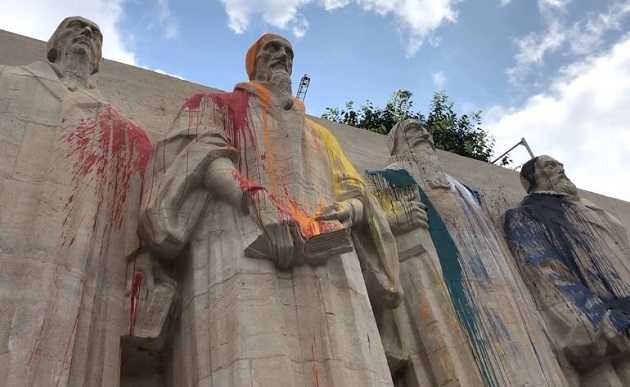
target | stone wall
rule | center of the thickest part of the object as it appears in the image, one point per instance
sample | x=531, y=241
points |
x=153, y=99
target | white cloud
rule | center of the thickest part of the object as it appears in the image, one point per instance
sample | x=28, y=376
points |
x=167, y=73
x=557, y=4
x=300, y=26
x=503, y=3
x=533, y=47
x=39, y=19
x=580, y=38
x=439, y=79
x=278, y=13
x=587, y=35
x=163, y=72
x=582, y=120
x=167, y=21
x=417, y=18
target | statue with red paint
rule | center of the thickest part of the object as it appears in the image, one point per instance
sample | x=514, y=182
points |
x=275, y=241
x=71, y=173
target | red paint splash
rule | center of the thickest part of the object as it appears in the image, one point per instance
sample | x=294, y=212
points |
x=232, y=108
x=245, y=184
x=134, y=299
x=233, y=114
x=108, y=150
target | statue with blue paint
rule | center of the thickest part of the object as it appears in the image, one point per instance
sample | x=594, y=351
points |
x=492, y=306
x=574, y=257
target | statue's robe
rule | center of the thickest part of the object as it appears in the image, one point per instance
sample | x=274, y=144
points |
x=575, y=258
x=489, y=297
x=243, y=321
x=70, y=188
x=424, y=342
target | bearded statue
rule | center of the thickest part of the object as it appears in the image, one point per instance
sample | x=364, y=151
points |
x=72, y=172
x=281, y=250
x=574, y=256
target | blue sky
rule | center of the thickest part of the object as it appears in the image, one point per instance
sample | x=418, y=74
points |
x=556, y=72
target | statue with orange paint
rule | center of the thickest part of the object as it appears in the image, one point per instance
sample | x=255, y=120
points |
x=280, y=250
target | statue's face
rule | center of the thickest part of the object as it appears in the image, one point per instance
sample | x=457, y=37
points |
x=417, y=137
x=80, y=36
x=550, y=176
x=274, y=58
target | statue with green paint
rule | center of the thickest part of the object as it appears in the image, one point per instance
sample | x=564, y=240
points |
x=489, y=301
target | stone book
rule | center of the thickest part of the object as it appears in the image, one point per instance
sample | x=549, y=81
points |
x=334, y=239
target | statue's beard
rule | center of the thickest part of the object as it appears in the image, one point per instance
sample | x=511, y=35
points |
x=83, y=51
x=280, y=84
x=429, y=168
x=280, y=80
x=565, y=186
x=76, y=65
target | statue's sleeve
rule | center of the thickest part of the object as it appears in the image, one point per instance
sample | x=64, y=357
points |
x=374, y=241
x=175, y=195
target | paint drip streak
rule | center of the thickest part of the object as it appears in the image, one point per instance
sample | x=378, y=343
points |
x=230, y=116
x=395, y=190
x=108, y=151
x=464, y=306
x=134, y=299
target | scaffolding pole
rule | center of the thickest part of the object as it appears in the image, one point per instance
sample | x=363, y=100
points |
x=524, y=143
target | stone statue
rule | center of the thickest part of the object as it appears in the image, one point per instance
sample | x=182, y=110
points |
x=423, y=341
x=277, y=241
x=71, y=170
x=574, y=256
x=492, y=306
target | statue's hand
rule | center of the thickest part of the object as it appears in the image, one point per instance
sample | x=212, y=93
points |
x=404, y=217
x=281, y=238
x=347, y=212
x=418, y=214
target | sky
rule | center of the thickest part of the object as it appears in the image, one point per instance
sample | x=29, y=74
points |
x=556, y=72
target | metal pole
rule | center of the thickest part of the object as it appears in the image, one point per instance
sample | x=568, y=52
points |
x=522, y=142
x=505, y=153
x=526, y=145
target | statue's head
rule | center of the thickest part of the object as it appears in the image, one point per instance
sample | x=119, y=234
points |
x=544, y=173
x=76, y=35
x=410, y=136
x=271, y=56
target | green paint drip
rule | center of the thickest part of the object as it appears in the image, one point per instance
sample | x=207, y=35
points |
x=460, y=295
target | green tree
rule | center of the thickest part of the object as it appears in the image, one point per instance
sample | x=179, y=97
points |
x=462, y=134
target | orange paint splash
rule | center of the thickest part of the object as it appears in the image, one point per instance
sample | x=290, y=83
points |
x=288, y=209
x=308, y=226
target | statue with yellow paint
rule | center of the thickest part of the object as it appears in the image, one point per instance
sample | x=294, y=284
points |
x=245, y=175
